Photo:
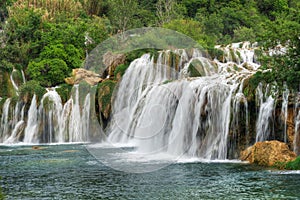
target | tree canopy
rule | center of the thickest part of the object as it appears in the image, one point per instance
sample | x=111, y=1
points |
x=36, y=34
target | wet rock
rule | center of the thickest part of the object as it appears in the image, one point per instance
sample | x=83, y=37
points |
x=81, y=74
x=268, y=153
x=111, y=61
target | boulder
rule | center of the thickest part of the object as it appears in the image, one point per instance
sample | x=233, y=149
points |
x=268, y=153
x=111, y=61
x=81, y=74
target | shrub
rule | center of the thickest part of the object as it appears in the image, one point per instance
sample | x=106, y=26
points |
x=49, y=72
x=30, y=88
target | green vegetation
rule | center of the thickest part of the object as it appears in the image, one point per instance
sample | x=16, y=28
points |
x=30, y=88
x=105, y=92
x=49, y=38
x=293, y=165
x=120, y=70
x=64, y=91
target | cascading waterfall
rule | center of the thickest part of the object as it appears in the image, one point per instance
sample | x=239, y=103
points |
x=32, y=123
x=189, y=116
x=266, y=115
x=4, y=128
x=284, y=109
x=297, y=126
x=47, y=122
x=161, y=105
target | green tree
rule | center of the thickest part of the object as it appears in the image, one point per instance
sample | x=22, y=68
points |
x=167, y=10
x=122, y=13
x=49, y=72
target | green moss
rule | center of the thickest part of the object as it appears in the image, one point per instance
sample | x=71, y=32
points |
x=105, y=92
x=167, y=81
x=120, y=70
x=6, y=89
x=138, y=53
x=30, y=88
x=64, y=91
x=293, y=165
x=216, y=53
x=193, y=72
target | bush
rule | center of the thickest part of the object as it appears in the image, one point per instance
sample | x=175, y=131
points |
x=30, y=88
x=68, y=53
x=49, y=72
x=293, y=165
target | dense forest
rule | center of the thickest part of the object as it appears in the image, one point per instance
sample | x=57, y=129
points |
x=48, y=38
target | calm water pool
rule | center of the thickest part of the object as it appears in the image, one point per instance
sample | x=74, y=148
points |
x=70, y=172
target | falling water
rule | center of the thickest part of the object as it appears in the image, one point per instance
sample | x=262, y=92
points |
x=297, y=126
x=189, y=116
x=284, y=109
x=32, y=123
x=4, y=128
x=13, y=81
x=266, y=115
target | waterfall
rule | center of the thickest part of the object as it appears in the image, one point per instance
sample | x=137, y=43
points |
x=284, y=109
x=13, y=81
x=4, y=128
x=297, y=134
x=297, y=126
x=266, y=115
x=185, y=116
x=48, y=121
x=32, y=123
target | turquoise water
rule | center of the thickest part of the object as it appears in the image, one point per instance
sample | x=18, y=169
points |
x=70, y=172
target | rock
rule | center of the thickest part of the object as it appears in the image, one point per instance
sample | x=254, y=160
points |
x=111, y=61
x=81, y=74
x=268, y=153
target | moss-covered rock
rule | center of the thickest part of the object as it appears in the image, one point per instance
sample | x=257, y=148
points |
x=105, y=94
x=27, y=90
x=64, y=92
x=6, y=89
x=120, y=71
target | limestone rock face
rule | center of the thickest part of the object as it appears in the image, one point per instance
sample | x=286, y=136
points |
x=268, y=153
x=81, y=74
x=111, y=61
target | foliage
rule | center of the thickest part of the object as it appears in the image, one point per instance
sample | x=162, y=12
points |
x=120, y=70
x=168, y=10
x=293, y=165
x=48, y=72
x=105, y=92
x=38, y=32
x=64, y=91
x=126, y=10
x=67, y=53
x=244, y=34
x=30, y=88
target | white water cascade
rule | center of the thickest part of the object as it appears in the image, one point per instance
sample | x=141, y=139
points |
x=188, y=116
x=284, y=109
x=32, y=124
x=297, y=126
x=48, y=121
x=4, y=128
x=265, y=115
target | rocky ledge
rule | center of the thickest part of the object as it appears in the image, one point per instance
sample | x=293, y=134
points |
x=81, y=74
x=268, y=153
